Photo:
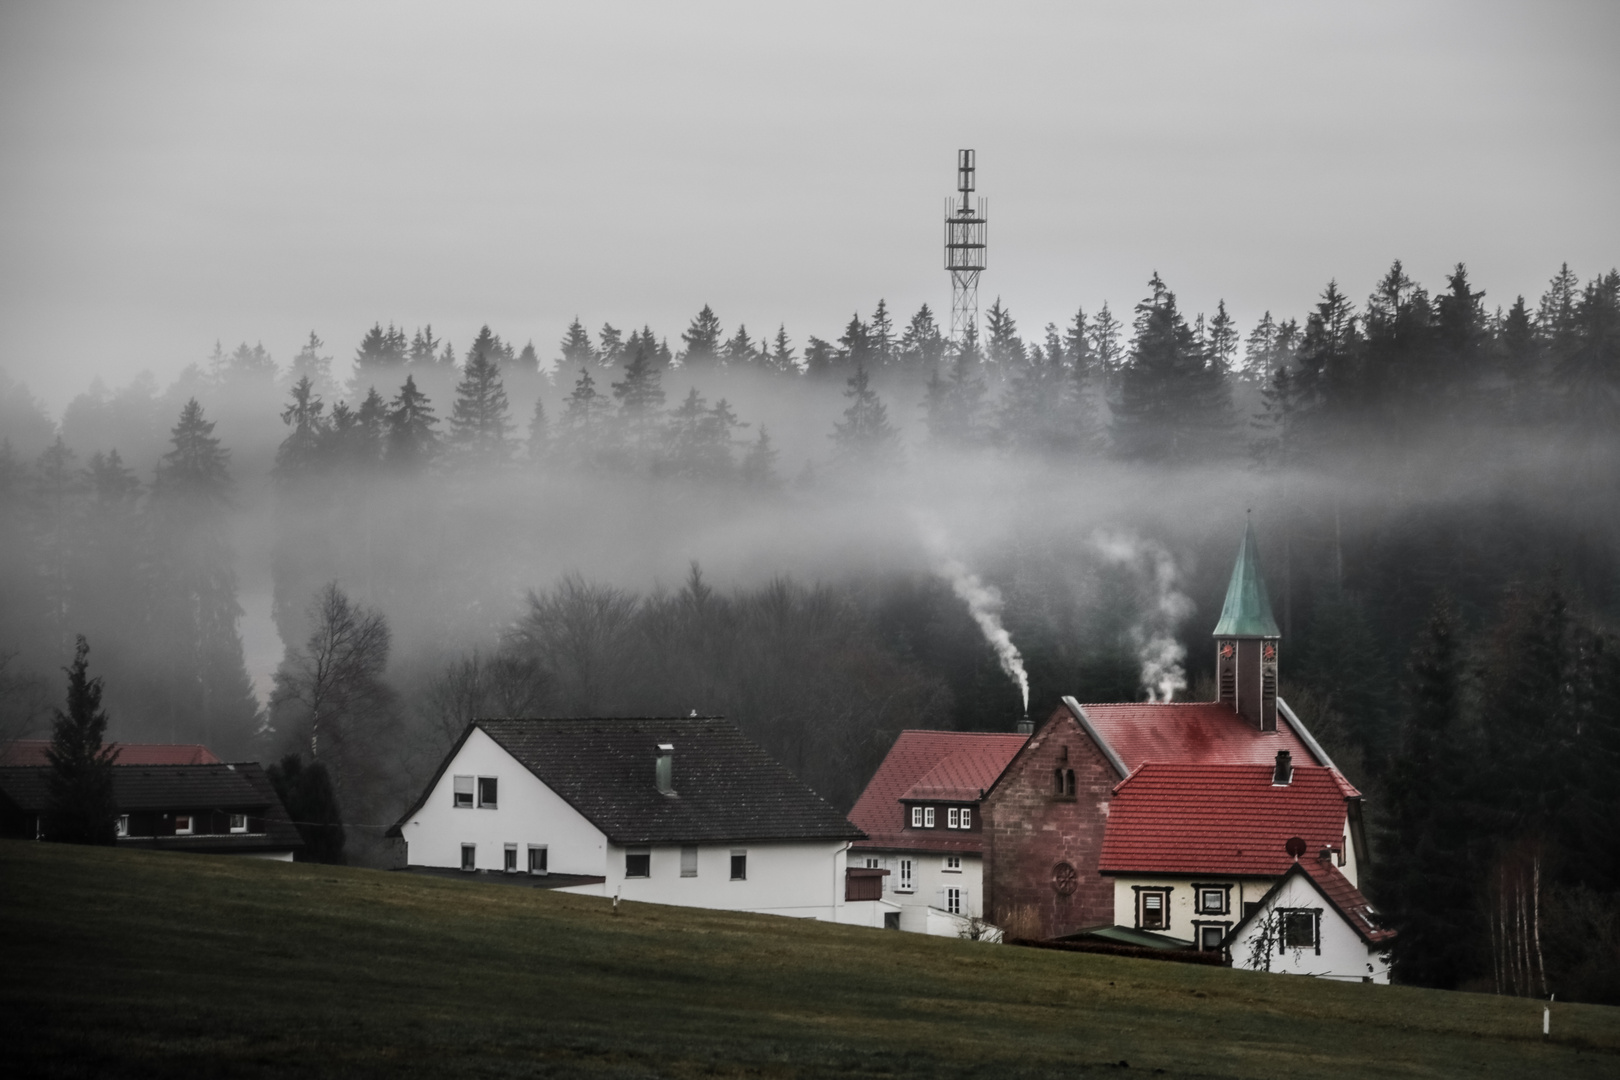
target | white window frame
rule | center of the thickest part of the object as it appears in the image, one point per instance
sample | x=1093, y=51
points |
x=191, y=824
x=928, y=817
x=633, y=853
x=243, y=827
x=953, y=864
x=540, y=850
x=689, y=860
x=463, y=792
x=967, y=817
x=954, y=896
x=953, y=818
x=916, y=817
x=906, y=879
x=493, y=804
x=123, y=824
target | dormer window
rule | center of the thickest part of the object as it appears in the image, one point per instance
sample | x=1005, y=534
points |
x=928, y=817
x=916, y=817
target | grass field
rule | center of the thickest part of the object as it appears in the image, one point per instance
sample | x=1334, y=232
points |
x=142, y=964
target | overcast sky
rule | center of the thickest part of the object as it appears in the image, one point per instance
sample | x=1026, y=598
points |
x=178, y=173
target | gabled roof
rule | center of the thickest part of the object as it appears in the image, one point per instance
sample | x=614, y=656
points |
x=240, y=787
x=1333, y=887
x=1247, y=611
x=1173, y=818
x=1195, y=732
x=32, y=752
x=948, y=766
x=725, y=787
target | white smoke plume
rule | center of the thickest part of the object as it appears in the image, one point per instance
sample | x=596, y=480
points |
x=984, y=602
x=1154, y=633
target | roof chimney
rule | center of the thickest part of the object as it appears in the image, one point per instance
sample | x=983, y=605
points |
x=665, y=769
x=1025, y=727
x=1283, y=775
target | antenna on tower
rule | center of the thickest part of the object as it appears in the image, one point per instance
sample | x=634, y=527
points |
x=966, y=222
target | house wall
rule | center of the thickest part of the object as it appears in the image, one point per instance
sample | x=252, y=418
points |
x=804, y=879
x=1030, y=830
x=1343, y=954
x=527, y=812
x=1185, y=918
x=930, y=879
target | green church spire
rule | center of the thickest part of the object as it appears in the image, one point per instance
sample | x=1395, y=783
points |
x=1247, y=611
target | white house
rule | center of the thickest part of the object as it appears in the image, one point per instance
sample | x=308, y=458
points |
x=679, y=811
x=1312, y=922
x=924, y=831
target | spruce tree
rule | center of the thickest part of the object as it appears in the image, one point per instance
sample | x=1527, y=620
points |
x=759, y=464
x=880, y=336
x=1427, y=877
x=921, y=346
x=412, y=442
x=204, y=693
x=782, y=360
x=641, y=398
x=865, y=434
x=576, y=347
x=1004, y=349
x=855, y=344
x=585, y=437
x=702, y=340
x=611, y=349
x=310, y=364
x=479, y=420
x=306, y=793
x=298, y=456
x=539, y=440
x=738, y=351
x=1173, y=405
x=81, y=809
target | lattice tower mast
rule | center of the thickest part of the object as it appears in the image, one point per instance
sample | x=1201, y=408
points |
x=966, y=222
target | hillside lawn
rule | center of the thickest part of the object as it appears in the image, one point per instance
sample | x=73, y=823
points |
x=125, y=963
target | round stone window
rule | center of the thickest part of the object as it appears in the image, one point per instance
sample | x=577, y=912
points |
x=1064, y=879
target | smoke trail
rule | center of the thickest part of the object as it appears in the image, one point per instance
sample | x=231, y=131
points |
x=1154, y=632
x=983, y=601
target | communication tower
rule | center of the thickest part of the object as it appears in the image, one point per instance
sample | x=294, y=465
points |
x=966, y=223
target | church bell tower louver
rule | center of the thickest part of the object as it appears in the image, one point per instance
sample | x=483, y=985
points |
x=1246, y=640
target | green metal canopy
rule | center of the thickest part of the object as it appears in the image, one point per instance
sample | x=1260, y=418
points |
x=1247, y=611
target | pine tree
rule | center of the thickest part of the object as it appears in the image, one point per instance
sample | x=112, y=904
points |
x=1105, y=336
x=479, y=420
x=922, y=346
x=782, y=354
x=310, y=364
x=820, y=358
x=1462, y=340
x=412, y=442
x=1173, y=406
x=380, y=356
x=299, y=454
x=81, y=809
x=1427, y=877
x=702, y=340
x=1222, y=341
x=527, y=363
x=1589, y=371
x=58, y=487
x=880, y=336
x=641, y=397
x=424, y=346
x=539, y=441
x=855, y=344
x=576, y=347
x=585, y=437
x=611, y=349
x=204, y=694
x=306, y=792
x=1004, y=349
x=865, y=434
x=951, y=405
x=759, y=464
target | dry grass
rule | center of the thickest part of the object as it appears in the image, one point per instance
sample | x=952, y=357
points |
x=139, y=964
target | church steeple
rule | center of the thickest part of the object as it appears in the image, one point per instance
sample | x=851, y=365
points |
x=1246, y=639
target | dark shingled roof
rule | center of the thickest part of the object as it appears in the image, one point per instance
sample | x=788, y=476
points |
x=725, y=787
x=241, y=787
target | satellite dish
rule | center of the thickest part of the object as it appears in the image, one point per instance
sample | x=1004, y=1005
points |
x=1295, y=846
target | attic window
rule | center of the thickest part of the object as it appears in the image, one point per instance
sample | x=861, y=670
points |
x=916, y=817
x=1299, y=930
x=463, y=792
x=486, y=792
x=928, y=817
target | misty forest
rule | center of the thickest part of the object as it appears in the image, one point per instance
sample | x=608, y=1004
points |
x=290, y=562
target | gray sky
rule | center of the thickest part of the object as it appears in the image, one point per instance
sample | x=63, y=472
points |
x=176, y=173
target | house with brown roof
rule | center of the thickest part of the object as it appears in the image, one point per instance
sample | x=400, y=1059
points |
x=667, y=810
x=924, y=830
x=1050, y=813
x=168, y=798
x=1312, y=921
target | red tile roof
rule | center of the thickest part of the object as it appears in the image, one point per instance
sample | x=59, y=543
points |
x=1347, y=898
x=1177, y=818
x=32, y=752
x=951, y=766
x=1195, y=732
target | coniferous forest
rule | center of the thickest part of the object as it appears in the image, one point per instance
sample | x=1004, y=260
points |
x=340, y=556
